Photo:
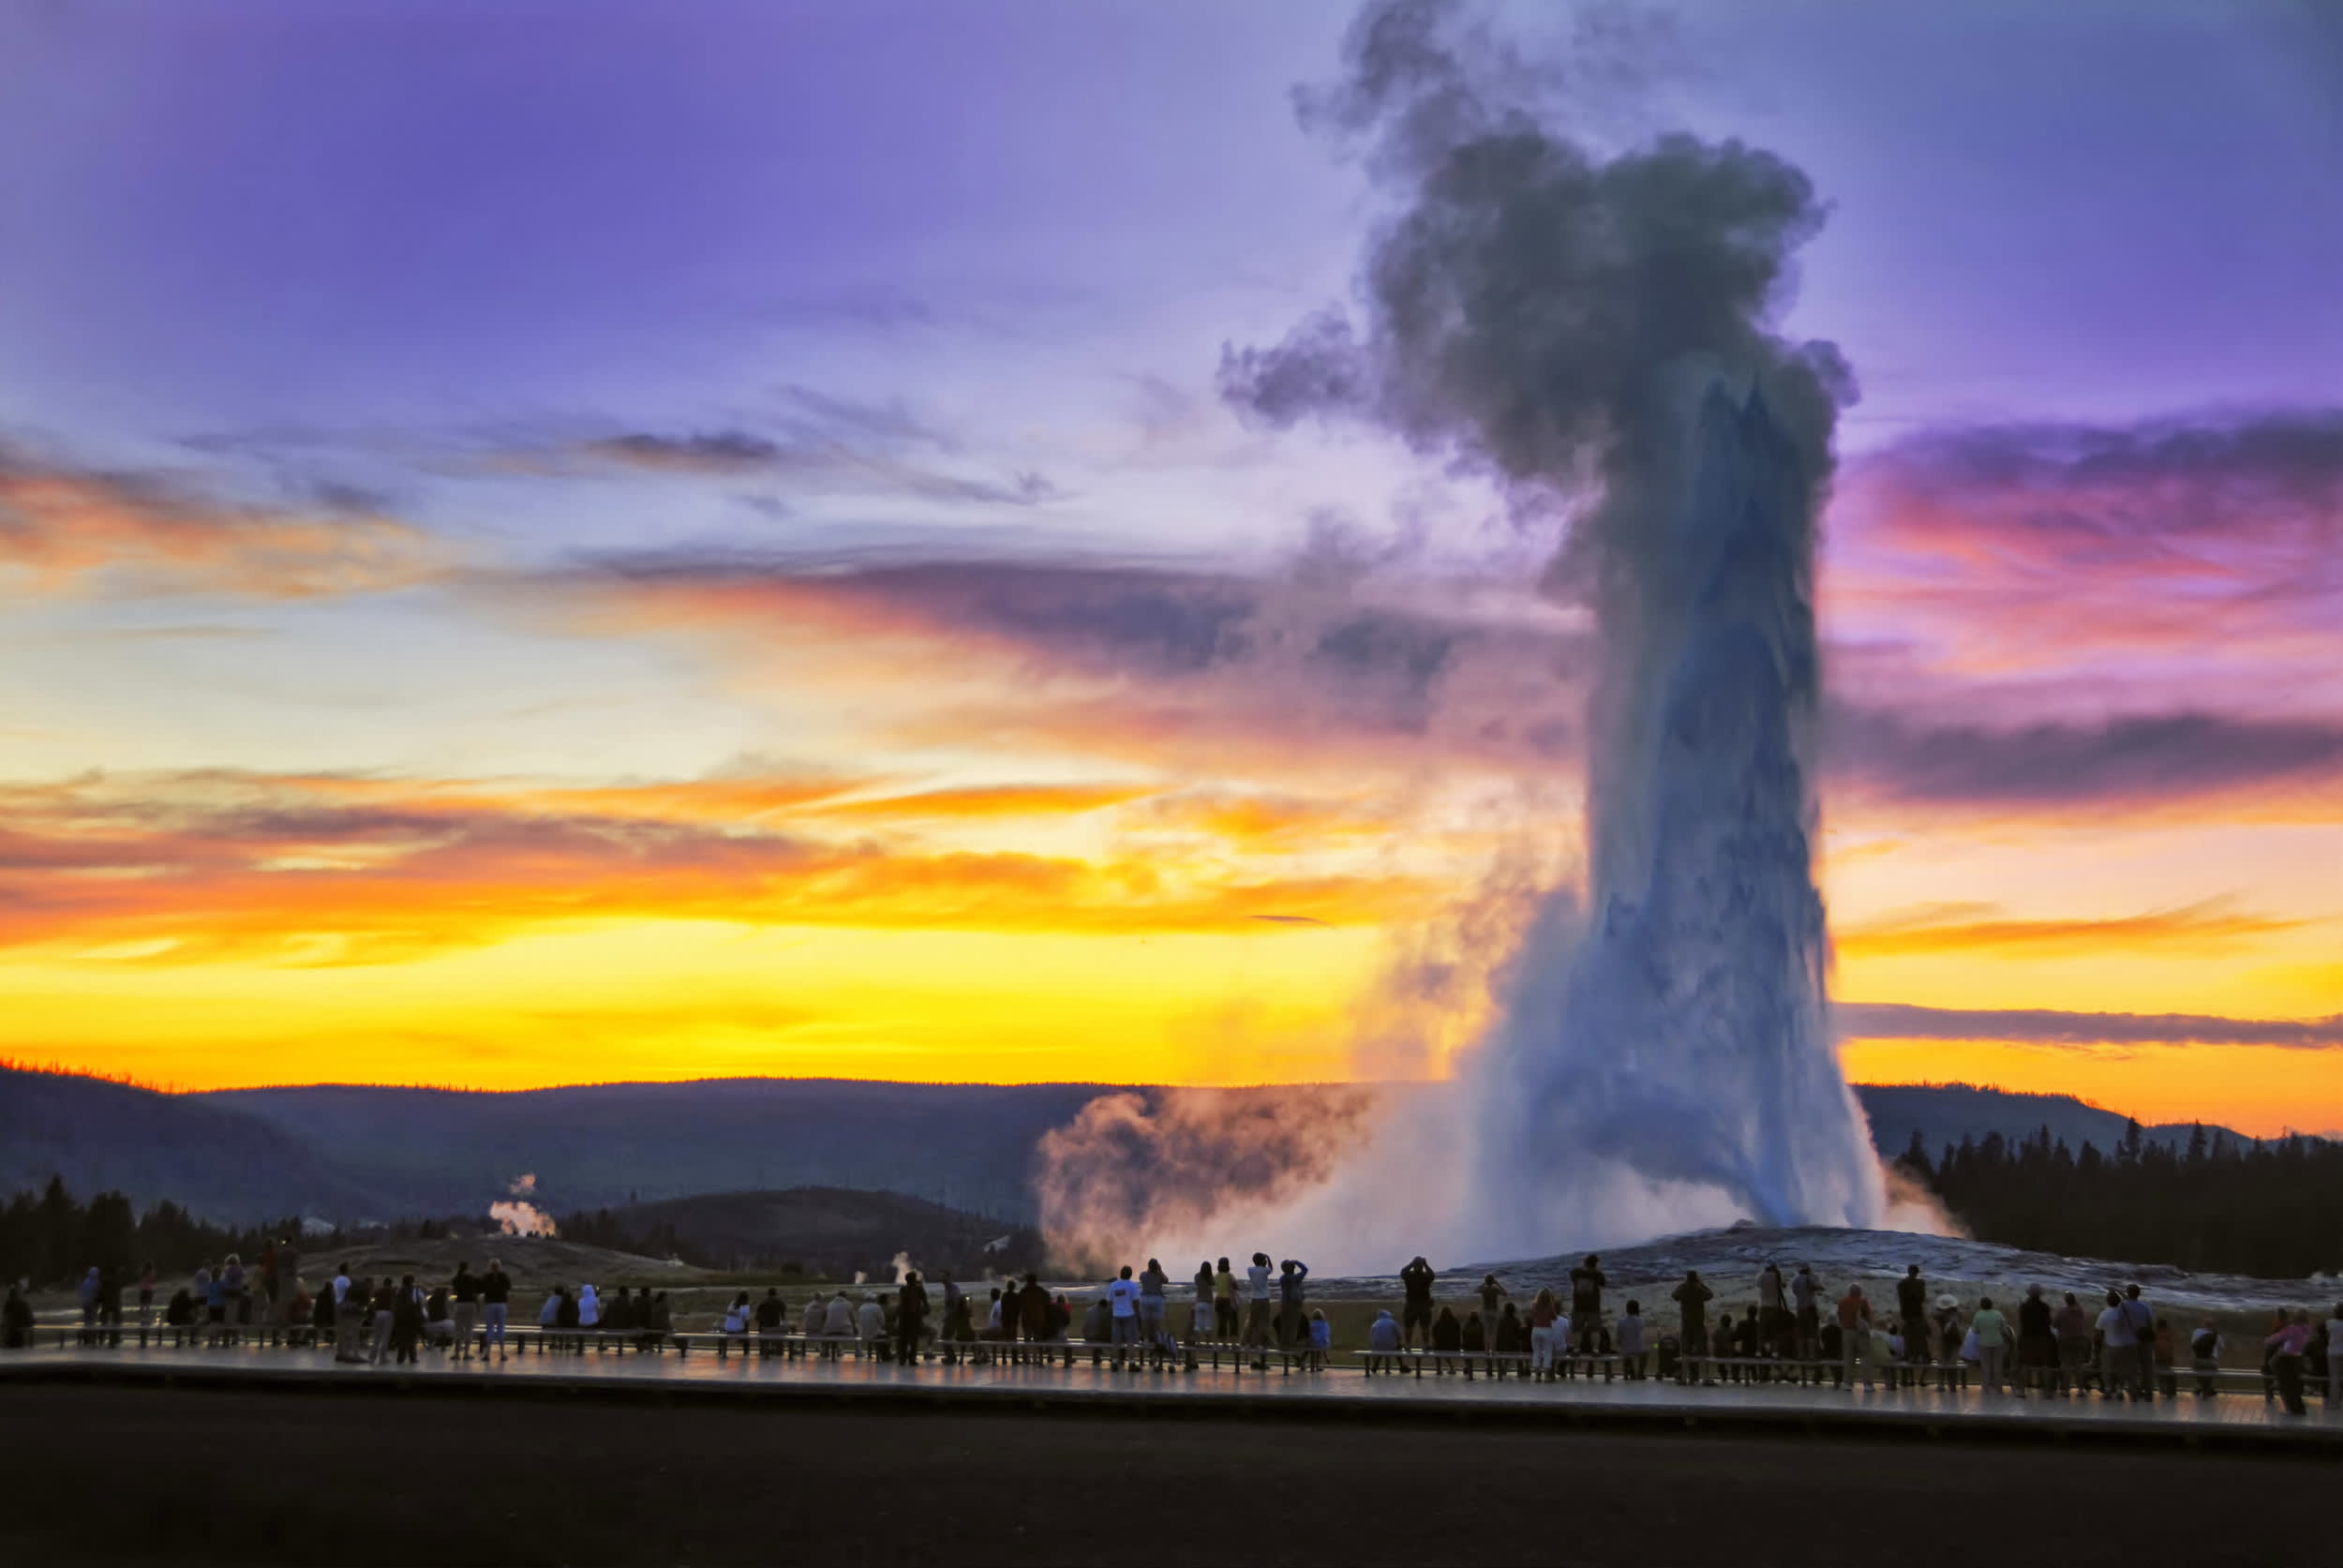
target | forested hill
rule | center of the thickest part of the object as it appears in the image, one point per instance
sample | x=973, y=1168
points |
x=213, y=1160
x=356, y=1153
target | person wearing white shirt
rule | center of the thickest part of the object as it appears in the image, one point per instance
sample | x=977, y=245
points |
x=869, y=1325
x=1122, y=1300
x=1257, y=1303
x=838, y=1318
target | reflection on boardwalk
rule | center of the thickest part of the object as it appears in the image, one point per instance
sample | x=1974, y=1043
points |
x=2242, y=1417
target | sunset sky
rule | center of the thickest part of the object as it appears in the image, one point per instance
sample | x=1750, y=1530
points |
x=545, y=543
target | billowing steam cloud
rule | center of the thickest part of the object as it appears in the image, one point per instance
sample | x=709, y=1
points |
x=1133, y=1171
x=517, y=1215
x=1595, y=334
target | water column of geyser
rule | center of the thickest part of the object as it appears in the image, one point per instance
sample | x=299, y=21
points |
x=1579, y=326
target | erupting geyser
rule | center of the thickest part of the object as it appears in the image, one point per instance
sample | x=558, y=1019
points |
x=1690, y=1041
x=1595, y=334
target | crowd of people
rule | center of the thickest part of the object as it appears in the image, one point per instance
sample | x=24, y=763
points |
x=1796, y=1329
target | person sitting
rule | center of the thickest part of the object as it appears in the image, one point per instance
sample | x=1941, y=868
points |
x=1475, y=1339
x=838, y=1325
x=16, y=1320
x=1384, y=1339
x=2204, y=1351
x=1447, y=1339
x=1510, y=1337
x=737, y=1317
x=769, y=1320
x=870, y=1323
x=1630, y=1349
x=817, y=1320
x=656, y=1318
x=566, y=1320
x=439, y=1321
x=617, y=1313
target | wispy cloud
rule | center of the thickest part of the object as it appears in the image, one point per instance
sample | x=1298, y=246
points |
x=2043, y=1026
x=2139, y=763
x=1966, y=927
x=69, y=528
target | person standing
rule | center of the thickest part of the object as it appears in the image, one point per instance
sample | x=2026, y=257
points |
x=911, y=1318
x=1294, y=1300
x=465, y=1292
x=1806, y=1296
x=1203, y=1319
x=1153, y=1283
x=384, y=1307
x=496, y=1296
x=1773, y=1309
x=1586, y=1302
x=1227, y=1326
x=1492, y=1294
x=1993, y=1343
x=1123, y=1299
x=1855, y=1337
x=1692, y=1301
x=2335, y=1358
x=2072, y=1325
x=2119, y=1350
x=146, y=1294
x=1544, y=1310
x=2286, y=1347
x=2038, y=1345
x=1256, y=1307
x=1415, y=1310
x=1912, y=1309
x=2141, y=1317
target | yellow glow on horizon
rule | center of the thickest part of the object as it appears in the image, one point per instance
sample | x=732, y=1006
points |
x=2259, y=1090
x=700, y=999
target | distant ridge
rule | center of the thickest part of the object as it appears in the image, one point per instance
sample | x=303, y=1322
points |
x=350, y=1152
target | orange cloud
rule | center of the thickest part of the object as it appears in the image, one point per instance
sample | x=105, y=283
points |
x=192, y=868
x=65, y=528
x=996, y=800
x=1963, y=927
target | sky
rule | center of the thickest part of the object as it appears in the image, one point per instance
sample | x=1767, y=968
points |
x=558, y=542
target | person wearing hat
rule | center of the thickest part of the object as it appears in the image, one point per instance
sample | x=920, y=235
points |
x=1949, y=1336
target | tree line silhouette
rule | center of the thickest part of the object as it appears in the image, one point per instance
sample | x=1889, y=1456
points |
x=52, y=1238
x=2211, y=1205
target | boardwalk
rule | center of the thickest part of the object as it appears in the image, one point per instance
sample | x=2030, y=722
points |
x=2241, y=1419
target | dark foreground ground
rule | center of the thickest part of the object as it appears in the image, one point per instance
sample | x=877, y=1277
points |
x=110, y=1474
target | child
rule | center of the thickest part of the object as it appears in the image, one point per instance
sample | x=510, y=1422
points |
x=1322, y=1339
x=2204, y=1349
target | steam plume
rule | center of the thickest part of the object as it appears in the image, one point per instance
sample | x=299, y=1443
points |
x=1596, y=334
